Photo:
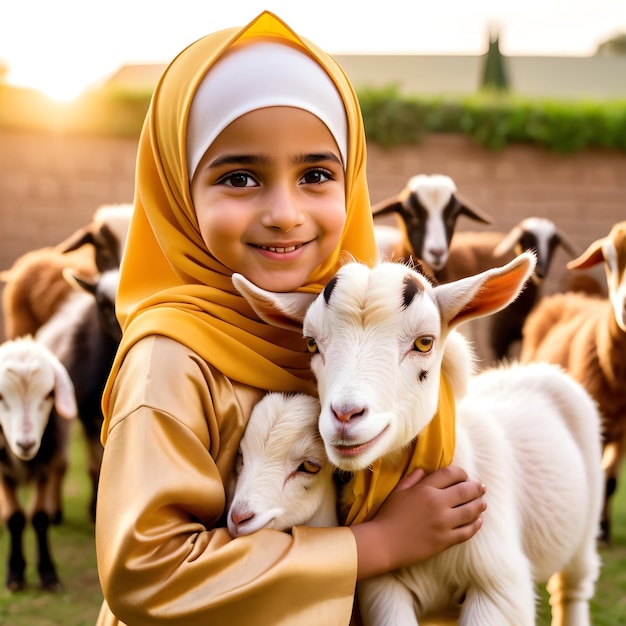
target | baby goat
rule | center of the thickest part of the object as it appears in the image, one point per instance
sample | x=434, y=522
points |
x=36, y=402
x=283, y=477
x=382, y=338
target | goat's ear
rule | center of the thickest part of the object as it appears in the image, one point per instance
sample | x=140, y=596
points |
x=469, y=209
x=76, y=240
x=386, y=207
x=509, y=241
x=64, y=394
x=284, y=310
x=484, y=293
x=78, y=283
x=590, y=257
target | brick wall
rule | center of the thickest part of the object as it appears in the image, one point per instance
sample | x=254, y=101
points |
x=51, y=185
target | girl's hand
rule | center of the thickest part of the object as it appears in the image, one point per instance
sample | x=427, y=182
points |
x=423, y=516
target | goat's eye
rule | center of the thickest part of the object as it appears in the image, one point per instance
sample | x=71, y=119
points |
x=311, y=345
x=310, y=467
x=424, y=344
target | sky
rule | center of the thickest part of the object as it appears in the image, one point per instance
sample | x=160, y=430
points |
x=63, y=46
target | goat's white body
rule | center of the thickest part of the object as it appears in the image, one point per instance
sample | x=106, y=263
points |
x=530, y=433
x=526, y=433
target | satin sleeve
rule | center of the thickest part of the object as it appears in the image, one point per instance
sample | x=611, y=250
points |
x=163, y=557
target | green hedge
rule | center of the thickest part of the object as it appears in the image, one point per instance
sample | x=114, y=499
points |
x=391, y=118
x=495, y=121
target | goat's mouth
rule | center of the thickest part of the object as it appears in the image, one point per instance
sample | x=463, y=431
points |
x=347, y=449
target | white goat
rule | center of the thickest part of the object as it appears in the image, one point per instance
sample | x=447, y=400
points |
x=36, y=405
x=283, y=477
x=586, y=335
x=530, y=433
x=427, y=209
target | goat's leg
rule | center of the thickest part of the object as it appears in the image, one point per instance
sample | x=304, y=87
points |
x=47, y=571
x=612, y=457
x=500, y=605
x=16, y=563
x=385, y=600
x=572, y=588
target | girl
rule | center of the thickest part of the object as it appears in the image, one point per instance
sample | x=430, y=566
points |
x=251, y=160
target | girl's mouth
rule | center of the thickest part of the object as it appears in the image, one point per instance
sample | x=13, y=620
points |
x=280, y=250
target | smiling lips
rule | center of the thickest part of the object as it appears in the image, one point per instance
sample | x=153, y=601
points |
x=281, y=250
x=346, y=449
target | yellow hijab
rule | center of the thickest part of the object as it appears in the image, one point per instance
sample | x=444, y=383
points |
x=169, y=284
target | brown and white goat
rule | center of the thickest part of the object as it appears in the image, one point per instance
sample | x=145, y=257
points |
x=427, y=209
x=586, y=335
x=36, y=405
x=35, y=286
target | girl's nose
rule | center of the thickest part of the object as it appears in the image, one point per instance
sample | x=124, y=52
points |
x=283, y=211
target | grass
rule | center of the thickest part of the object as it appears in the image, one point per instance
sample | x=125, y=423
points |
x=78, y=604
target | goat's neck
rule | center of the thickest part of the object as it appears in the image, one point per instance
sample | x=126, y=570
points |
x=611, y=342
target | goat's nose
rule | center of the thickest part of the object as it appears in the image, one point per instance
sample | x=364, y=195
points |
x=437, y=253
x=346, y=413
x=26, y=445
x=241, y=516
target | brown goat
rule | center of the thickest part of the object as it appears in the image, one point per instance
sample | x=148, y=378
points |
x=586, y=335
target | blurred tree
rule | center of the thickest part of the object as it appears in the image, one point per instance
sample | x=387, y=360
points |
x=495, y=76
x=613, y=46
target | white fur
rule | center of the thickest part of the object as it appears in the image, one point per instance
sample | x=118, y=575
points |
x=32, y=381
x=283, y=476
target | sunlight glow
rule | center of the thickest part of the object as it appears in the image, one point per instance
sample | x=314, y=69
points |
x=62, y=88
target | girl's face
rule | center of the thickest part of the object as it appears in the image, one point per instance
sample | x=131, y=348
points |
x=269, y=196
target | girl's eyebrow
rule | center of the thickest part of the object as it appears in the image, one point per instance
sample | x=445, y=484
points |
x=249, y=159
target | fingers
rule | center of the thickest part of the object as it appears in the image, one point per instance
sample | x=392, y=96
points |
x=412, y=479
x=445, y=477
x=468, y=513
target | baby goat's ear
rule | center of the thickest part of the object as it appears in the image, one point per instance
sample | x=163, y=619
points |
x=284, y=310
x=485, y=293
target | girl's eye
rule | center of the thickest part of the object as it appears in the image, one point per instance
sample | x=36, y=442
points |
x=311, y=345
x=317, y=176
x=424, y=344
x=309, y=467
x=238, y=179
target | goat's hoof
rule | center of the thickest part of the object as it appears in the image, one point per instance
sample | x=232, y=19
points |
x=50, y=582
x=15, y=582
x=57, y=518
